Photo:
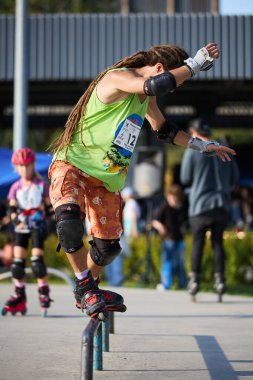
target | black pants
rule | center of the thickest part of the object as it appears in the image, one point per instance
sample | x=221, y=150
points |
x=38, y=236
x=216, y=221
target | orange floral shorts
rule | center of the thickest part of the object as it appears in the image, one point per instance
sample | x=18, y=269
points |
x=103, y=208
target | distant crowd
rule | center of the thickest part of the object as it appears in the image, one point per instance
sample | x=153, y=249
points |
x=241, y=219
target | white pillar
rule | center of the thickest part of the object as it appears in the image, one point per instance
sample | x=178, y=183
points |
x=20, y=76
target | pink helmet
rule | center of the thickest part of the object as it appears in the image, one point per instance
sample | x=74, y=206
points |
x=23, y=156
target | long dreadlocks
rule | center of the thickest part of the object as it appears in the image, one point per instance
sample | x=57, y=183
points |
x=171, y=57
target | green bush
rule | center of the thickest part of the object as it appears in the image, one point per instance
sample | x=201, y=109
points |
x=55, y=259
x=144, y=262
x=239, y=259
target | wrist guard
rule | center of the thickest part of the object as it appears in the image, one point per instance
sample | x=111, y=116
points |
x=201, y=62
x=201, y=146
x=160, y=84
x=167, y=132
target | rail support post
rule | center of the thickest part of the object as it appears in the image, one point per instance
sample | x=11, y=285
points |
x=105, y=335
x=95, y=340
x=97, y=349
x=87, y=349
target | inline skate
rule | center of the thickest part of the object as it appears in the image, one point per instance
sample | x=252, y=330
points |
x=219, y=285
x=193, y=285
x=44, y=299
x=16, y=303
x=95, y=301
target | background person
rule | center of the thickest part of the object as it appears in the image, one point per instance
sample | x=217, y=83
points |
x=168, y=221
x=92, y=156
x=210, y=181
x=28, y=203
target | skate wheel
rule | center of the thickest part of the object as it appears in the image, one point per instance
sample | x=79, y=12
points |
x=13, y=313
x=24, y=312
x=3, y=311
x=103, y=316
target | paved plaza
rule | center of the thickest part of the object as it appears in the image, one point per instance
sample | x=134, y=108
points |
x=163, y=335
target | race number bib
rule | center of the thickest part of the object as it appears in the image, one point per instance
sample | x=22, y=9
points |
x=128, y=136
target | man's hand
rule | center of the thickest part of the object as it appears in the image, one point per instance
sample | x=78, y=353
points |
x=204, y=58
x=222, y=151
x=211, y=148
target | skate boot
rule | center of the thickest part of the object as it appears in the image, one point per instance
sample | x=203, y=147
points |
x=94, y=300
x=44, y=299
x=89, y=297
x=193, y=285
x=114, y=301
x=219, y=285
x=17, y=303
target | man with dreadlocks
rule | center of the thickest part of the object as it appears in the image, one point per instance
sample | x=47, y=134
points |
x=92, y=156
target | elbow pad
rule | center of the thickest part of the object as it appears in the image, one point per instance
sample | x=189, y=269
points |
x=160, y=84
x=167, y=132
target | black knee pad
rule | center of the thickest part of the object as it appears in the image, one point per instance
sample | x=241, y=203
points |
x=38, y=267
x=18, y=269
x=69, y=227
x=104, y=251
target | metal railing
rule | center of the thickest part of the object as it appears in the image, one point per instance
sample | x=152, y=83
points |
x=95, y=340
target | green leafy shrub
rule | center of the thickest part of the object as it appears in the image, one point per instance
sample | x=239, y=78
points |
x=146, y=257
x=239, y=259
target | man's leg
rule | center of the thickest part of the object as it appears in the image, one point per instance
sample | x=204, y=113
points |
x=218, y=227
x=199, y=231
x=181, y=262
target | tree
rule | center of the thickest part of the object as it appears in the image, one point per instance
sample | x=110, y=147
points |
x=64, y=6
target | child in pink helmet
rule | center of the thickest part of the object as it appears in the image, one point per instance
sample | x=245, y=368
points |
x=28, y=203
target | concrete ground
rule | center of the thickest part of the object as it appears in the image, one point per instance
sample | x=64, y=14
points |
x=163, y=335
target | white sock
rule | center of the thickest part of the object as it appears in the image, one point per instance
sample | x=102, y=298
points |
x=82, y=275
x=42, y=283
x=19, y=284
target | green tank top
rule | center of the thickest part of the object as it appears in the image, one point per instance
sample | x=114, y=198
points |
x=103, y=143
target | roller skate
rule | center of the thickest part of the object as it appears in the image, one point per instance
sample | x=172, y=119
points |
x=193, y=285
x=44, y=299
x=114, y=301
x=219, y=285
x=17, y=303
x=96, y=302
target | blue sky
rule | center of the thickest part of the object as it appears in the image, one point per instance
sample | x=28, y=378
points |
x=236, y=7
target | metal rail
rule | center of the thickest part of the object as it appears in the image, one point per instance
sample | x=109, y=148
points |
x=95, y=340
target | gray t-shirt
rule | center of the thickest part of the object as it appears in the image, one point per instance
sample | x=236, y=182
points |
x=210, y=181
